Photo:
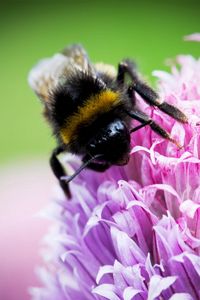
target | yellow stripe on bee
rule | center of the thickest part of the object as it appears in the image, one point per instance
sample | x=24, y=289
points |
x=99, y=103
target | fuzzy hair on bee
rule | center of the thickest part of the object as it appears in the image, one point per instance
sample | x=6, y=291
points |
x=90, y=108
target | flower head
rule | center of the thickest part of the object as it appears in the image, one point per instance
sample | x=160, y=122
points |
x=133, y=232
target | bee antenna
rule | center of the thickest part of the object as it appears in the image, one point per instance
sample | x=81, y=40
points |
x=83, y=166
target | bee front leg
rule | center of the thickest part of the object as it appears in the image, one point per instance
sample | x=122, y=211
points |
x=146, y=120
x=146, y=92
x=59, y=171
x=126, y=67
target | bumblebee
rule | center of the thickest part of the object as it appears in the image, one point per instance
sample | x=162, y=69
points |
x=90, y=108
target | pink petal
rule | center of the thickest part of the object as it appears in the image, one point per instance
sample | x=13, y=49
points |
x=107, y=291
x=158, y=284
x=189, y=208
x=102, y=271
x=126, y=249
x=130, y=293
x=193, y=37
x=181, y=296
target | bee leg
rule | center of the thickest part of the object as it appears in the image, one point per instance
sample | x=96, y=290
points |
x=126, y=67
x=148, y=122
x=145, y=120
x=59, y=171
x=99, y=167
x=146, y=92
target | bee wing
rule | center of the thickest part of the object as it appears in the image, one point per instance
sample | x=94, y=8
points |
x=107, y=69
x=46, y=75
x=49, y=72
x=80, y=57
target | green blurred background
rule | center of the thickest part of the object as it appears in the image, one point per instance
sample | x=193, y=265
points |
x=148, y=31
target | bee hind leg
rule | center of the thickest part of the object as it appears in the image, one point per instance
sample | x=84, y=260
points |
x=146, y=92
x=59, y=171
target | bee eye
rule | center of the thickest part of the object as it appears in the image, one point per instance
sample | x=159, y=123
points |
x=91, y=147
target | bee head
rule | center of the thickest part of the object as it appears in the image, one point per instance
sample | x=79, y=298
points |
x=113, y=142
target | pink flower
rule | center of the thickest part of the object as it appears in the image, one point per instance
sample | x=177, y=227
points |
x=133, y=232
x=21, y=228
